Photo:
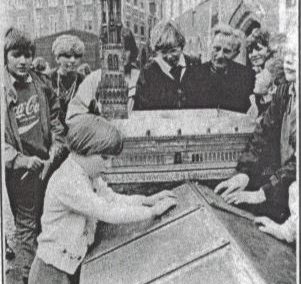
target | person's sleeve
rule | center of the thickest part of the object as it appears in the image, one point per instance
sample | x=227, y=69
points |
x=112, y=196
x=11, y=156
x=133, y=83
x=262, y=141
x=281, y=179
x=57, y=130
x=84, y=97
x=289, y=228
x=142, y=91
x=81, y=199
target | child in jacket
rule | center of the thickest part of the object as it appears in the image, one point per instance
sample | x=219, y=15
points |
x=77, y=196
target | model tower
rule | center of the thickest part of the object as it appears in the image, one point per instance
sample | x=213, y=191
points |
x=112, y=93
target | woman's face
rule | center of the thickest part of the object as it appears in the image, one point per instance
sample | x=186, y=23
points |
x=258, y=55
x=69, y=62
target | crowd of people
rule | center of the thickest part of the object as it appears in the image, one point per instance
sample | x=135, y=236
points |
x=57, y=143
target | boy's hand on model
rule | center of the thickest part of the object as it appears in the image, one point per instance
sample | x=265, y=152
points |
x=163, y=205
x=268, y=226
x=153, y=199
x=250, y=197
x=237, y=183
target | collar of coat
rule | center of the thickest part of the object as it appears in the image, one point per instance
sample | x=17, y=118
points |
x=165, y=67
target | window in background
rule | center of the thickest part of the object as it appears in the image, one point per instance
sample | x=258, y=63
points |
x=69, y=2
x=88, y=21
x=53, y=24
x=69, y=20
x=21, y=23
x=87, y=2
x=39, y=4
x=21, y=4
x=38, y=26
x=52, y=3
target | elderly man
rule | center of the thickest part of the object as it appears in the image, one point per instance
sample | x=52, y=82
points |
x=223, y=83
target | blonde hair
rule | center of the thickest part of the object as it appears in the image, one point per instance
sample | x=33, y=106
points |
x=235, y=34
x=166, y=35
x=66, y=44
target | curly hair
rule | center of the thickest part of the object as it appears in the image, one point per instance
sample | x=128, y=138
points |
x=235, y=34
x=67, y=44
x=258, y=36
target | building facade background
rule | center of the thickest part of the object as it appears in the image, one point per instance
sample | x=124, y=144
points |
x=43, y=18
x=196, y=18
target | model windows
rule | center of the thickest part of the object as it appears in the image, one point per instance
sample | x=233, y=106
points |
x=142, y=31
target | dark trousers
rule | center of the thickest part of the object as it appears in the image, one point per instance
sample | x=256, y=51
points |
x=26, y=198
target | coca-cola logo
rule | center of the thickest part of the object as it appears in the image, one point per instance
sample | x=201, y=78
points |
x=28, y=108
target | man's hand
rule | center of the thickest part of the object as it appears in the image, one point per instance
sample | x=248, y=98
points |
x=163, y=205
x=153, y=199
x=46, y=169
x=237, y=183
x=250, y=197
x=34, y=163
x=268, y=226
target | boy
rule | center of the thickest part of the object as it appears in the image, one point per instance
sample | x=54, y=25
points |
x=77, y=196
x=33, y=140
x=68, y=51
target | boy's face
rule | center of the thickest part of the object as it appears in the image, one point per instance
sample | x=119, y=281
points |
x=99, y=163
x=19, y=62
x=172, y=56
x=290, y=66
x=69, y=62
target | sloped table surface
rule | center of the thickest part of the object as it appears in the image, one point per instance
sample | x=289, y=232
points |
x=192, y=242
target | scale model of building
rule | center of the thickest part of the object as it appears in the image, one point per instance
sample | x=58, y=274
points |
x=112, y=92
x=179, y=145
